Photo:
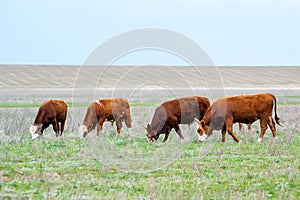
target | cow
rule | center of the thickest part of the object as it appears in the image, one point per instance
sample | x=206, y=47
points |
x=52, y=112
x=109, y=109
x=174, y=112
x=242, y=109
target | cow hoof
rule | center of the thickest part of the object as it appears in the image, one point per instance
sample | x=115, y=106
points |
x=259, y=140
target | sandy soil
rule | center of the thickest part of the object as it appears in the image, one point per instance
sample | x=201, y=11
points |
x=25, y=83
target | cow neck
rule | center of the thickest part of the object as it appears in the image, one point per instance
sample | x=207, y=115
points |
x=90, y=115
x=207, y=116
x=157, y=121
x=39, y=117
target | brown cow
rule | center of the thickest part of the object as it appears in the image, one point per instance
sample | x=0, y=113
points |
x=110, y=109
x=50, y=112
x=243, y=109
x=174, y=112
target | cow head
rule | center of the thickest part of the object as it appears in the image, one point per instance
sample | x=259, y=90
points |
x=202, y=130
x=151, y=134
x=85, y=129
x=36, y=131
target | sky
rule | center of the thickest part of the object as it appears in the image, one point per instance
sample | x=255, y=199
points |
x=231, y=32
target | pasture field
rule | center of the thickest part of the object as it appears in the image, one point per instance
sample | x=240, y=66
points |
x=128, y=166
x=76, y=168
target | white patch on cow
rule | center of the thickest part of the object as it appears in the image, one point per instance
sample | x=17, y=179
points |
x=35, y=136
x=98, y=102
x=82, y=129
x=32, y=130
x=202, y=138
x=259, y=140
x=276, y=138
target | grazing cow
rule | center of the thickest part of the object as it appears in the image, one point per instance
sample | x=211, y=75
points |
x=110, y=109
x=174, y=112
x=242, y=109
x=50, y=112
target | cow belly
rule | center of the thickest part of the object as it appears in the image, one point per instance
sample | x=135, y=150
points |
x=246, y=120
x=187, y=118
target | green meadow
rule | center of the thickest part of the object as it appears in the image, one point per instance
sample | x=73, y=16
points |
x=52, y=168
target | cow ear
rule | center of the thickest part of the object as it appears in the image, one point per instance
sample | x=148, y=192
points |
x=202, y=122
x=148, y=126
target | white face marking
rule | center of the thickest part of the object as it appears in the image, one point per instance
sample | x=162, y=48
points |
x=82, y=129
x=32, y=130
x=202, y=138
x=35, y=136
x=259, y=140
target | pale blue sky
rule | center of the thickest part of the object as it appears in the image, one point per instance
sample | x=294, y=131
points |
x=257, y=32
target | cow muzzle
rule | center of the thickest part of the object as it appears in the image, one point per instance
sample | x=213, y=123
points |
x=202, y=137
x=35, y=136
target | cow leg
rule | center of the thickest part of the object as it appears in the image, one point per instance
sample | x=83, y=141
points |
x=230, y=129
x=166, y=136
x=58, y=129
x=99, y=127
x=43, y=128
x=178, y=131
x=240, y=127
x=249, y=127
x=271, y=124
x=224, y=133
x=128, y=121
x=263, y=128
x=55, y=127
x=119, y=127
x=62, y=126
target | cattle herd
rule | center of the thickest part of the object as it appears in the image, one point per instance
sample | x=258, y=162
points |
x=220, y=115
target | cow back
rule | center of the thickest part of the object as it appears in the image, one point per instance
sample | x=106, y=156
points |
x=186, y=109
x=51, y=109
x=243, y=108
x=116, y=107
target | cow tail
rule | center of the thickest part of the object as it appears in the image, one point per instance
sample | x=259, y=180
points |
x=277, y=119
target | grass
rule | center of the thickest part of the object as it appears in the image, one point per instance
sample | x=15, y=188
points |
x=293, y=103
x=132, y=168
x=134, y=104
x=66, y=169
